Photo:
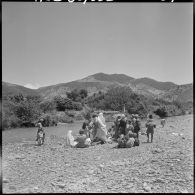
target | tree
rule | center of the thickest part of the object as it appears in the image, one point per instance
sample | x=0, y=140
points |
x=47, y=106
x=63, y=103
x=117, y=97
x=73, y=95
x=161, y=112
x=83, y=93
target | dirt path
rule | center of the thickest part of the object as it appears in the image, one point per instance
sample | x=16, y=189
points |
x=166, y=165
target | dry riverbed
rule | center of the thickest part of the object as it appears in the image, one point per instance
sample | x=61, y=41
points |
x=166, y=165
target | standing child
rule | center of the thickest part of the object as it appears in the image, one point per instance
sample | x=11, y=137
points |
x=40, y=129
x=137, y=126
x=150, y=127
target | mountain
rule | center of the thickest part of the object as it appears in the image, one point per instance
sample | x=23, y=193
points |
x=9, y=89
x=181, y=93
x=102, y=82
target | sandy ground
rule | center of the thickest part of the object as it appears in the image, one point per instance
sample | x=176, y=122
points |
x=166, y=165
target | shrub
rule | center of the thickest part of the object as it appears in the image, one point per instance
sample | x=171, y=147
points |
x=64, y=118
x=79, y=117
x=63, y=103
x=87, y=116
x=161, y=112
x=47, y=106
x=49, y=119
x=77, y=106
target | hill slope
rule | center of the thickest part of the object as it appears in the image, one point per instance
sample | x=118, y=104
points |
x=13, y=89
x=102, y=82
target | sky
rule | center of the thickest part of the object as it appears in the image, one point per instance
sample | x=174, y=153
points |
x=56, y=42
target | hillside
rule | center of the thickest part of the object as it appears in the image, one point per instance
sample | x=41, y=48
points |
x=9, y=89
x=102, y=82
x=182, y=93
x=153, y=83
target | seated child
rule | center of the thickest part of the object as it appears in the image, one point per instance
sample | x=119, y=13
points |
x=122, y=141
x=130, y=142
x=129, y=127
x=82, y=140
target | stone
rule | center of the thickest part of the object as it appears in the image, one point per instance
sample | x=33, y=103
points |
x=90, y=172
x=5, y=180
x=146, y=187
x=12, y=187
x=36, y=188
x=61, y=185
x=184, y=191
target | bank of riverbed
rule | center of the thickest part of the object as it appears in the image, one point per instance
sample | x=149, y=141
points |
x=166, y=165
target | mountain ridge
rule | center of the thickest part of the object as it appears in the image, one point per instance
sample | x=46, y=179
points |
x=102, y=82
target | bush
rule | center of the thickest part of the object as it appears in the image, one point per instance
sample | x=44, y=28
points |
x=47, y=106
x=87, y=116
x=64, y=118
x=161, y=112
x=77, y=106
x=79, y=117
x=49, y=119
x=11, y=122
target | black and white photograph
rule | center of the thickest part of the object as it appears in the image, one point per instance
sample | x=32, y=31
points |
x=97, y=97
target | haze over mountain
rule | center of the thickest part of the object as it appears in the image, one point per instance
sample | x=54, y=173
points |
x=168, y=91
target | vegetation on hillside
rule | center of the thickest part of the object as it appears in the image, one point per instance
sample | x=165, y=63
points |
x=117, y=98
x=20, y=110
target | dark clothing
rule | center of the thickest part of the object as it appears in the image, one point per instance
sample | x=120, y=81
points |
x=122, y=126
x=81, y=141
x=137, y=128
x=40, y=129
x=150, y=128
x=136, y=143
x=129, y=129
x=85, y=124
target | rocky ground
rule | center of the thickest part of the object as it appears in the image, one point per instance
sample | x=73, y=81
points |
x=166, y=165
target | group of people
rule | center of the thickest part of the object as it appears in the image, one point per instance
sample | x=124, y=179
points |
x=124, y=130
x=93, y=132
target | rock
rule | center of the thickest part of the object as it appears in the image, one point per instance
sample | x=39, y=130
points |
x=184, y=191
x=36, y=188
x=101, y=167
x=90, y=172
x=59, y=179
x=157, y=150
x=160, y=180
x=12, y=187
x=19, y=157
x=91, y=183
x=146, y=187
x=5, y=180
x=61, y=185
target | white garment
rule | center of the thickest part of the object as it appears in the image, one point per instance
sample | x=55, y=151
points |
x=70, y=139
x=101, y=117
x=88, y=141
x=101, y=130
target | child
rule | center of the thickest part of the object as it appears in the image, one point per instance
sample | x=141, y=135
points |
x=129, y=127
x=136, y=123
x=150, y=127
x=122, y=141
x=85, y=127
x=40, y=130
x=82, y=140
